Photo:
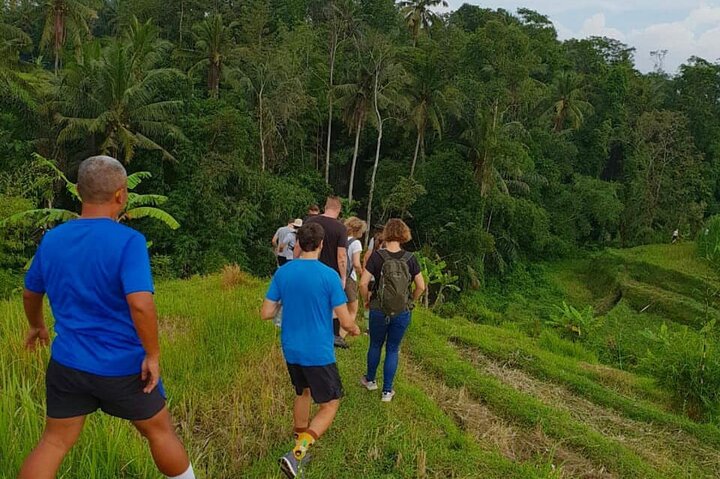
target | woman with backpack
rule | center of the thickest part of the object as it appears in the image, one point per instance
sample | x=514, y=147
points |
x=355, y=230
x=391, y=300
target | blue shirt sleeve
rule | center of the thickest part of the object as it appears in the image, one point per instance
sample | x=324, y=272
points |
x=34, y=280
x=273, y=293
x=337, y=294
x=135, y=271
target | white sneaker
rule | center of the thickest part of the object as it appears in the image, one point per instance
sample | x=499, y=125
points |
x=369, y=385
x=387, y=396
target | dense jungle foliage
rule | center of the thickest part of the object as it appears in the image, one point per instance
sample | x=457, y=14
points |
x=497, y=142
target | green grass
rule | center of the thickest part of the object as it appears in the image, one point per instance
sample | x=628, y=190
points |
x=231, y=400
x=680, y=257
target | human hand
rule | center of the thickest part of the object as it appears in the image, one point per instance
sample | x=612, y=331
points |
x=355, y=330
x=150, y=373
x=35, y=336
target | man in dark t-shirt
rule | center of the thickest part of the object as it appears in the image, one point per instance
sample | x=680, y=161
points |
x=334, y=251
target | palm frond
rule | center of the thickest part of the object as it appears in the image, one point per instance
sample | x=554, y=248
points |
x=154, y=213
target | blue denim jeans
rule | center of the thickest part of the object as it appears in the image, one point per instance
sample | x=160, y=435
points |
x=388, y=332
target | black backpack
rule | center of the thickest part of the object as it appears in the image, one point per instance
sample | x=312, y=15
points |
x=393, y=292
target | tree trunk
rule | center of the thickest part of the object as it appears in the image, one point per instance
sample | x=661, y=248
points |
x=358, y=130
x=417, y=149
x=59, y=37
x=333, y=51
x=180, y=27
x=214, y=79
x=262, y=131
x=377, y=156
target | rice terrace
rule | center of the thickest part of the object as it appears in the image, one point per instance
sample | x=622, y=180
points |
x=359, y=239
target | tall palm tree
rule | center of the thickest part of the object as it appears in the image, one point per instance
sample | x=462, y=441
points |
x=65, y=18
x=568, y=104
x=496, y=154
x=14, y=89
x=389, y=80
x=431, y=98
x=111, y=97
x=356, y=100
x=215, y=41
x=341, y=26
x=418, y=15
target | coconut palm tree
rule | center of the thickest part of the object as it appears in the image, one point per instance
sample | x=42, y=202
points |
x=65, y=18
x=14, y=88
x=138, y=206
x=568, y=104
x=388, y=81
x=431, y=98
x=356, y=100
x=214, y=41
x=110, y=99
x=418, y=15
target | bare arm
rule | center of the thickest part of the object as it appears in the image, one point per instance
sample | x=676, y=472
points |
x=365, y=286
x=38, y=333
x=342, y=264
x=268, y=309
x=347, y=322
x=356, y=262
x=144, y=316
x=419, y=286
x=368, y=253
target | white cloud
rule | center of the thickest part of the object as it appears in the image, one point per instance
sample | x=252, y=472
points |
x=697, y=35
x=597, y=26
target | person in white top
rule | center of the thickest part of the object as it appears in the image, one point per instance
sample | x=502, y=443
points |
x=356, y=229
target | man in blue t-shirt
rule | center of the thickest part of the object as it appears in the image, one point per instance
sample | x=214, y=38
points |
x=310, y=293
x=105, y=355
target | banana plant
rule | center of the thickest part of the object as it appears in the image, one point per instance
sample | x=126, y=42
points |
x=138, y=206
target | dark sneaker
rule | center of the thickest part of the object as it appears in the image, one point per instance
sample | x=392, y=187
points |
x=290, y=466
x=341, y=343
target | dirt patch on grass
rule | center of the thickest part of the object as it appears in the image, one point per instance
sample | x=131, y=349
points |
x=172, y=327
x=666, y=448
x=491, y=431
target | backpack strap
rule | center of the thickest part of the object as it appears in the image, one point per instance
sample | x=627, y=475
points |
x=407, y=257
x=384, y=254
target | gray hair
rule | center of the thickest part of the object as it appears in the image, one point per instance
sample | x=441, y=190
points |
x=99, y=177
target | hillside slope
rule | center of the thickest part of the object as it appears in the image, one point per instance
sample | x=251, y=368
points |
x=474, y=401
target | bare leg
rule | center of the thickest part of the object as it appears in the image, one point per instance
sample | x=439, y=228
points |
x=59, y=437
x=166, y=448
x=324, y=418
x=301, y=411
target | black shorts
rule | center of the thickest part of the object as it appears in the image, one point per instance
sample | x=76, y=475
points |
x=323, y=381
x=73, y=393
x=282, y=260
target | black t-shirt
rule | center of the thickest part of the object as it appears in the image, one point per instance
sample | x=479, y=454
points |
x=335, y=237
x=375, y=264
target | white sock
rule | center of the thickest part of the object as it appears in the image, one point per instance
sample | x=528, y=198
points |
x=189, y=474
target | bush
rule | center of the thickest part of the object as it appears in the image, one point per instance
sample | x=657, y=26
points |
x=573, y=323
x=689, y=366
x=9, y=283
x=708, y=241
x=162, y=266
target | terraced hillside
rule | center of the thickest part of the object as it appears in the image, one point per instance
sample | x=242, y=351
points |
x=474, y=400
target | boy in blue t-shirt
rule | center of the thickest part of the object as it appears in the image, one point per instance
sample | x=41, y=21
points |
x=105, y=355
x=310, y=293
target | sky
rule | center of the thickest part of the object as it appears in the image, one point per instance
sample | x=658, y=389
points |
x=682, y=27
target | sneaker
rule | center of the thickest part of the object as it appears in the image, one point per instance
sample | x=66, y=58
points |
x=341, y=343
x=290, y=466
x=369, y=385
x=387, y=396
